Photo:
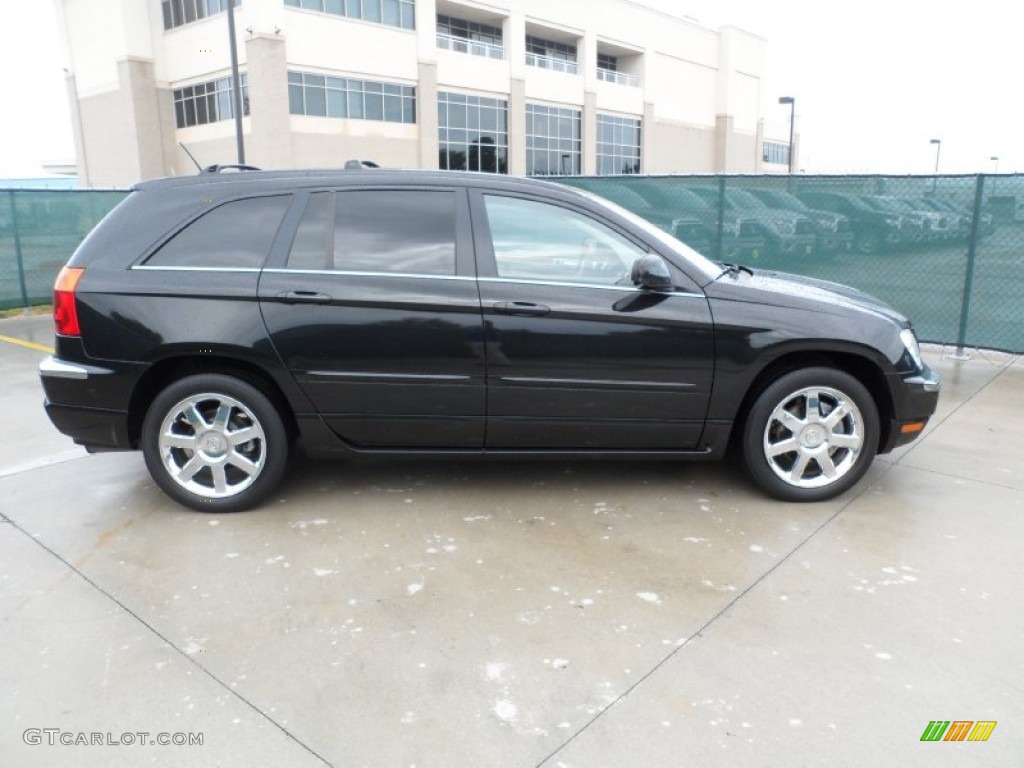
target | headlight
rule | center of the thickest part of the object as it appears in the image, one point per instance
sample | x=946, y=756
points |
x=910, y=342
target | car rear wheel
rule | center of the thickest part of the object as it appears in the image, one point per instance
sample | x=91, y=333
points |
x=215, y=443
x=810, y=435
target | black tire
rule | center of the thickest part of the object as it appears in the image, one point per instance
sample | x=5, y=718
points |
x=226, y=409
x=847, y=448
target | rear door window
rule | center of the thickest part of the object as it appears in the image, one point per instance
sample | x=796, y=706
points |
x=385, y=231
x=233, y=235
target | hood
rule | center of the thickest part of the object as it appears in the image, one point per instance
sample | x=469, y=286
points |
x=789, y=290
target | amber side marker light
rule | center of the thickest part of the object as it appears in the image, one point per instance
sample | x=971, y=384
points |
x=65, y=311
x=915, y=426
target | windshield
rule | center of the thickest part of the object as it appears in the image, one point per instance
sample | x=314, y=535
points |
x=704, y=265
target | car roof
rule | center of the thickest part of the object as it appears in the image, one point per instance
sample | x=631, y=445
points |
x=310, y=177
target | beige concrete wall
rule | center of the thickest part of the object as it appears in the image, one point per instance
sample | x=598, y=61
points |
x=681, y=148
x=269, y=145
x=517, y=128
x=141, y=110
x=426, y=115
x=332, y=150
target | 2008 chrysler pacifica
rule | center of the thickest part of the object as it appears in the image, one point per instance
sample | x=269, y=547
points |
x=219, y=321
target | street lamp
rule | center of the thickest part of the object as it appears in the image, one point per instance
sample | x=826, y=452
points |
x=791, y=100
x=995, y=159
x=938, y=148
x=236, y=83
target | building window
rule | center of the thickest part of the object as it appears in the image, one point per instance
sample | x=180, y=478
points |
x=394, y=13
x=553, y=141
x=469, y=37
x=608, y=70
x=548, y=54
x=618, y=145
x=775, y=152
x=473, y=133
x=321, y=96
x=178, y=12
x=208, y=102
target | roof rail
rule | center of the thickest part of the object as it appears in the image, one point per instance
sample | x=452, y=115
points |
x=351, y=165
x=229, y=166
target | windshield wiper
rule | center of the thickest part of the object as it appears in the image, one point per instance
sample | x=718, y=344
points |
x=735, y=269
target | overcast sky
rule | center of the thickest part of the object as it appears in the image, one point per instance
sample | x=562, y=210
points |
x=874, y=81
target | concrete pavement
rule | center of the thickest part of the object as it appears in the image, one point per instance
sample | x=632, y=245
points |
x=590, y=614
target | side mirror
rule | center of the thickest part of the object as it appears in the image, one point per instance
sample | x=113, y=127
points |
x=651, y=273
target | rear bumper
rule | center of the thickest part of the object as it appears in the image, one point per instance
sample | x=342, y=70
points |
x=96, y=429
x=81, y=401
x=915, y=398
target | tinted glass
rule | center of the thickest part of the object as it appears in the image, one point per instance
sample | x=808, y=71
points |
x=538, y=241
x=395, y=231
x=236, y=234
x=311, y=245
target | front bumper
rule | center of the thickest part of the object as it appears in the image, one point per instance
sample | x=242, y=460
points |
x=915, y=398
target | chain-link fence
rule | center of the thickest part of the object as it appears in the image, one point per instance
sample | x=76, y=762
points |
x=948, y=251
x=39, y=230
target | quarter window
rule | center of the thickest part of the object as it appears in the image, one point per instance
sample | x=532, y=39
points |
x=234, y=235
x=400, y=231
x=539, y=241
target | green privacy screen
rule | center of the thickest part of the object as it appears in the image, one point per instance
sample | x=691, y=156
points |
x=39, y=230
x=947, y=251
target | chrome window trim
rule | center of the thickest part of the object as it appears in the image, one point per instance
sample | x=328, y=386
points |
x=356, y=273
x=413, y=276
x=169, y=268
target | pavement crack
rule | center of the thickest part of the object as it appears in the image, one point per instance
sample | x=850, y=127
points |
x=699, y=633
x=291, y=736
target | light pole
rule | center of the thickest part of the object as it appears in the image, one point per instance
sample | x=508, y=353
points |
x=791, y=100
x=236, y=83
x=995, y=159
x=938, y=148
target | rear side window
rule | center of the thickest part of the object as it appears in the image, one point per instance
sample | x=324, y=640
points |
x=401, y=231
x=237, y=234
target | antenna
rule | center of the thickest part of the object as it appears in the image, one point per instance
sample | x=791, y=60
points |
x=190, y=156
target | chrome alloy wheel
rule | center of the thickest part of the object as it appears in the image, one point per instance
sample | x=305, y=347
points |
x=212, y=445
x=813, y=437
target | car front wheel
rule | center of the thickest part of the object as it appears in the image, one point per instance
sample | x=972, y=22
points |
x=215, y=443
x=810, y=435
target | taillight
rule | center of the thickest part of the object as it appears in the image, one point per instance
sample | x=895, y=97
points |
x=65, y=311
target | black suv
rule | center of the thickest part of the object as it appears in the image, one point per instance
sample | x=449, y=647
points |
x=216, y=322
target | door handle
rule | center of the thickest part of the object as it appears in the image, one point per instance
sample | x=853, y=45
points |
x=520, y=308
x=298, y=297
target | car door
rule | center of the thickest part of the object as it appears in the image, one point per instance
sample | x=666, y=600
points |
x=578, y=357
x=373, y=307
